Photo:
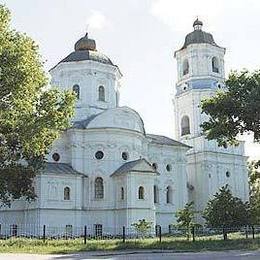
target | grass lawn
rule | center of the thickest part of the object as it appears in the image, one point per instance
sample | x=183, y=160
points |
x=213, y=243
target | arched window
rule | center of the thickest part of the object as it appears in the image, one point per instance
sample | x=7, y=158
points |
x=185, y=67
x=66, y=193
x=99, y=188
x=101, y=93
x=215, y=65
x=168, y=167
x=122, y=193
x=76, y=90
x=125, y=156
x=227, y=174
x=169, y=194
x=141, y=193
x=155, y=194
x=185, y=125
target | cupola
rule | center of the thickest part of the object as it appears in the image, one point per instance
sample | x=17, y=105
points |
x=86, y=49
x=198, y=36
x=84, y=44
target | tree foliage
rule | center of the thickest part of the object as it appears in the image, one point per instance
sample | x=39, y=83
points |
x=235, y=110
x=31, y=115
x=142, y=226
x=185, y=218
x=226, y=211
x=254, y=200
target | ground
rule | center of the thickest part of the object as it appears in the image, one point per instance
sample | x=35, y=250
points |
x=177, y=244
x=139, y=255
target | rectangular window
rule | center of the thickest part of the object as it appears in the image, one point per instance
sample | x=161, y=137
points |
x=98, y=230
x=68, y=230
x=13, y=230
x=171, y=229
x=157, y=230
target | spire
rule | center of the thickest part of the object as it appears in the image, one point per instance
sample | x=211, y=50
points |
x=197, y=25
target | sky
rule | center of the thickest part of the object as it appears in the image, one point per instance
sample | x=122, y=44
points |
x=140, y=36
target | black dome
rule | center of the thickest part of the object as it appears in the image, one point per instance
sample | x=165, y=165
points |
x=81, y=55
x=85, y=49
x=198, y=36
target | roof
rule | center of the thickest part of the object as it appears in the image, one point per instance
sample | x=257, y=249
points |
x=81, y=55
x=129, y=166
x=198, y=36
x=82, y=124
x=59, y=168
x=160, y=139
x=118, y=117
x=85, y=49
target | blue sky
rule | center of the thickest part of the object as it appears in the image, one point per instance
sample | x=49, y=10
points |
x=140, y=36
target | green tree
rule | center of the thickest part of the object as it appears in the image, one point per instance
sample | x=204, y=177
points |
x=31, y=114
x=254, y=199
x=235, y=110
x=185, y=218
x=226, y=211
x=142, y=227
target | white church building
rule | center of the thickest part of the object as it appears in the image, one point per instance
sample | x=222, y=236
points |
x=106, y=171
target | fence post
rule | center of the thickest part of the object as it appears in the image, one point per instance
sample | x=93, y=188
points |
x=0, y=230
x=193, y=233
x=85, y=235
x=44, y=233
x=123, y=234
x=224, y=233
x=246, y=231
x=253, y=232
x=160, y=233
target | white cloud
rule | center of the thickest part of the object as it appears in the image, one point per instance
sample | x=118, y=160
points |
x=179, y=15
x=96, y=20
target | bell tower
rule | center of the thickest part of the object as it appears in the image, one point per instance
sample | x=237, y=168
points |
x=200, y=65
x=200, y=69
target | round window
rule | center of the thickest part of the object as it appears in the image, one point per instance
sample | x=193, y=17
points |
x=168, y=167
x=99, y=155
x=125, y=156
x=155, y=166
x=56, y=157
x=228, y=174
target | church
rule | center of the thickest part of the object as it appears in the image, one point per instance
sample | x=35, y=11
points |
x=107, y=172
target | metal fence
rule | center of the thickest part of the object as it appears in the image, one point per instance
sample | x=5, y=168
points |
x=99, y=231
x=205, y=233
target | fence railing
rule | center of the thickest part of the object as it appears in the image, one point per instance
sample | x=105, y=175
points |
x=123, y=233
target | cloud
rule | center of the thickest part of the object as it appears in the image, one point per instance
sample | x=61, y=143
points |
x=96, y=21
x=179, y=15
